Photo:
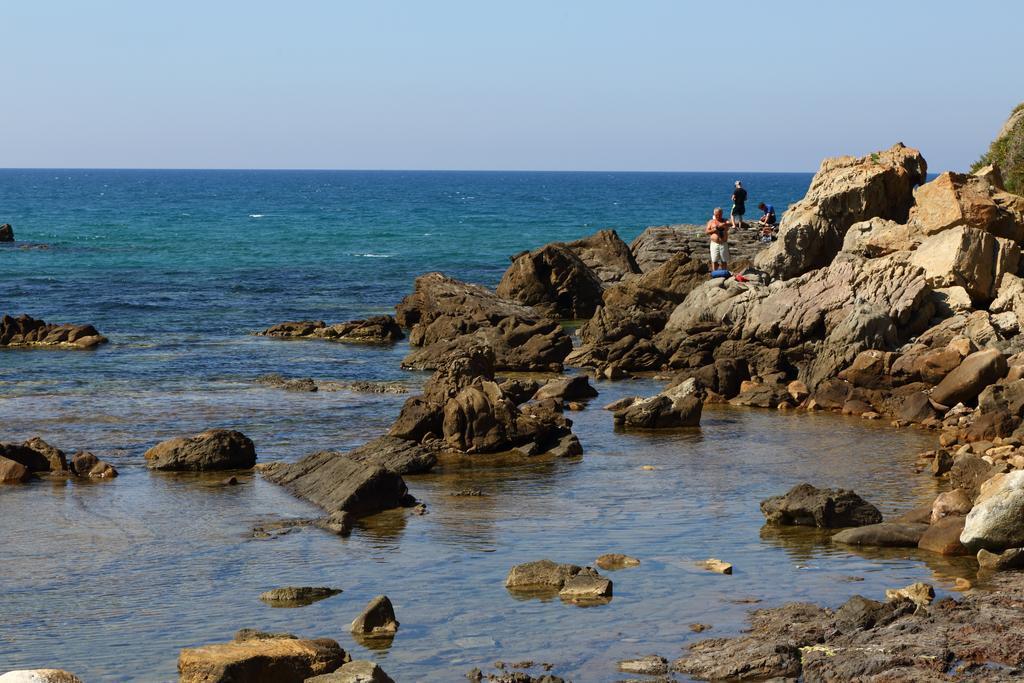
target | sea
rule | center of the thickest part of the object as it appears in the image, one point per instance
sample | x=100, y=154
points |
x=178, y=268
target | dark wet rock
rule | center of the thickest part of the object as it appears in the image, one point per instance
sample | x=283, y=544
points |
x=554, y=281
x=568, y=389
x=296, y=596
x=356, y=671
x=651, y=665
x=942, y=463
x=519, y=390
x=445, y=316
x=464, y=407
x=36, y=456
x=805, y=505
x=973, y=639
x=976, y=372
x=613, y=561
x=723, y=659
x=916, y=407
x=381, y=329
x=378, y=619
x=633, y=312
x=363, y=387
x=338, y=483
x=85, y=464
x=6, y=233
x=288, y=660
x=989, y=426
x=859, y=613
x=760, y=395
x=943, y=537
x=280, y=382
x=12, y=472
x=27, y=331
x=883, y=535
x=214, y=449
x=607, y=255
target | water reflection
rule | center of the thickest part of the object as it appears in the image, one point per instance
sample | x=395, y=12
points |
x=170, y=560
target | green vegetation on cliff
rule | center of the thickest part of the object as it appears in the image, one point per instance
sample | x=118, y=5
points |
x=1007, y=152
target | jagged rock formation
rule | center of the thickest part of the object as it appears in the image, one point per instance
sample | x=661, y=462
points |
x=381, y=329
x=26, y=331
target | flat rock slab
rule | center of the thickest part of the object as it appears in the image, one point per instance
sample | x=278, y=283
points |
x=338, y=483
x=884, y=535
x=297, y=596
x=398, y=456
x=284, y=660
x=613, y=561
x=587, y=586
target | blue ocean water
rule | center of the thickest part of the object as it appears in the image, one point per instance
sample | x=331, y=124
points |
x=188, y=259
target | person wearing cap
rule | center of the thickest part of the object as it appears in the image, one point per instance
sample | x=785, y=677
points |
x=739, y=205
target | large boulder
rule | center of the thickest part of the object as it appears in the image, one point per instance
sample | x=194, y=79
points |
x=844, y=191
x=31, y=332
x=381, y=329
x=554, y=281
x=996, y=522
x=445, y=316
x=961, y=256
x=607, y=255
x=284, y=659
x=35, y=455
x=659, y=243
x=805, y=505
x=976, y=372
x=214, y=449
x=959, y=199
x=12, y=472
x=634, y=311
x=463, y=405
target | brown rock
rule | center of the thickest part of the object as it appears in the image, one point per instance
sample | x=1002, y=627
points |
x=975, y=373
x=288, y=660
x=554, y=280
x=85, y=464
x=805, y=505
x=943, y=537
x=214, y=449
x=12, y=472
x=378, y=619
x=607, y=255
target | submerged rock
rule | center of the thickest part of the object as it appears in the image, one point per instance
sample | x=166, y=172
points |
x=12, y=472
x=805, y=505
x=356, y=671
x=304, y=384
x=586, y=586
x=214, y=449
x=381, y=329
x=613, y=561
x=295, y=596
x=651, y=665
x=288, y=660
x=540, y=575
x=883, y=535
x=27, y=331
x=377, y=620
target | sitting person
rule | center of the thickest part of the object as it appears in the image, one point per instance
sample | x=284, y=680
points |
x=769, y=215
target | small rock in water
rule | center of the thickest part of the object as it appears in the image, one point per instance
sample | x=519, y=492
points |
x=715, y=565
x=921, y=594
x=963, y=584
x=612, y=561
x=469, y=493
x=230, y=481
x=297, y=596
x=377, y=620
x=419, y=509
x=356, y=671
x=586, y=586
x=699, y=628
x=651, y=665
x=647, y=467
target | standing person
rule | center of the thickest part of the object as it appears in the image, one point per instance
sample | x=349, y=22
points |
x=739, y=205
x=717, y=231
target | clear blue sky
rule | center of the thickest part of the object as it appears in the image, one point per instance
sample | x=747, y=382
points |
x=588, y=85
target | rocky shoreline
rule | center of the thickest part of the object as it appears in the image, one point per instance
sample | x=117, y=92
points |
x=886, y=296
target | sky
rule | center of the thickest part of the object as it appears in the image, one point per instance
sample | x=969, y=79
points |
x=645, y=85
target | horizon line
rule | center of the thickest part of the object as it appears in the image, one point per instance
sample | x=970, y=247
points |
x=372, y=170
